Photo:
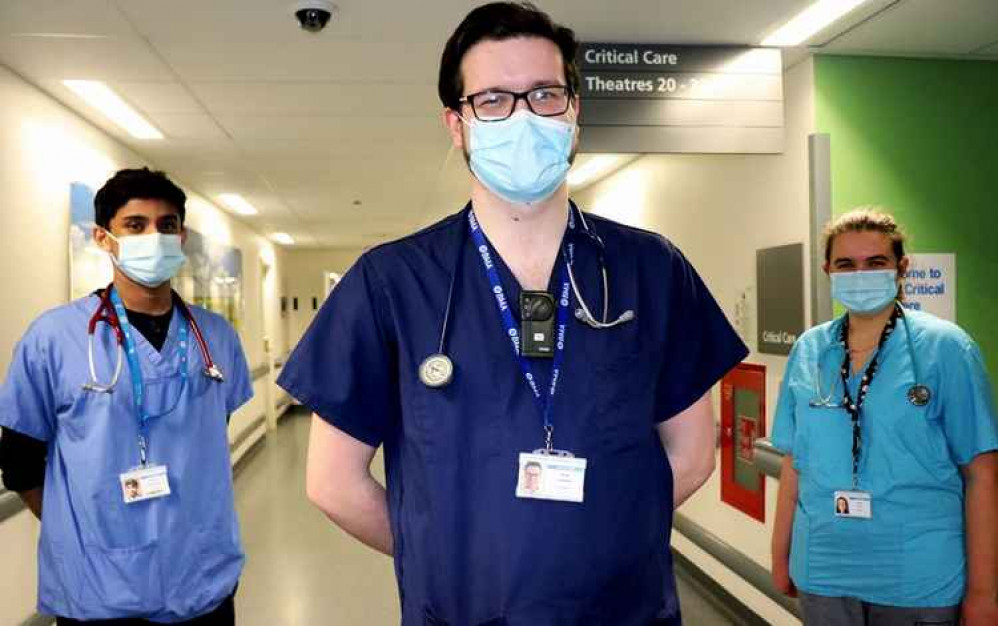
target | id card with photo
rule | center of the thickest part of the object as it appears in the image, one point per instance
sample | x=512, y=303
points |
x=855, y=504
x=145, y=483
x=551, y=477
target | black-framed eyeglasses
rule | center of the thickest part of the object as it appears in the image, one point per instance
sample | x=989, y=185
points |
x=496, y=105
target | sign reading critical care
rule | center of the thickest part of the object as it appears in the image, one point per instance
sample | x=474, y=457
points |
x=930, y=285
x=641, y=98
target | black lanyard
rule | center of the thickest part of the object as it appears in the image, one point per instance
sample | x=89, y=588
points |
x=855, y=407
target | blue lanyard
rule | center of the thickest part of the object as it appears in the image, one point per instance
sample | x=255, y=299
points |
x=135, y=372
x=544, y=404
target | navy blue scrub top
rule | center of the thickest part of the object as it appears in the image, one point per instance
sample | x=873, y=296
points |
x=467, y=551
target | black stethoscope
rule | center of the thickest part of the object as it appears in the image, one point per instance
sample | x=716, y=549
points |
x=918, y=394
x=105, y=313
x=437, y=370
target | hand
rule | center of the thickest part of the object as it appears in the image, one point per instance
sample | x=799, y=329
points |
x=979, y=610
x=782, y=581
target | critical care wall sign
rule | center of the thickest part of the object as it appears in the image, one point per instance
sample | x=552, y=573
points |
x=654, y=98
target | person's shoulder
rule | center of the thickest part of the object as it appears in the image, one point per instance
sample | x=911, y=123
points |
x=55, y=320
x=926, y=327
x=428, y=238
x=819, y=337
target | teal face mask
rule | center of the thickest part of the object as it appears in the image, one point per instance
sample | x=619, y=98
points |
x=523, y=159
x=149, y=260
x=865, y=292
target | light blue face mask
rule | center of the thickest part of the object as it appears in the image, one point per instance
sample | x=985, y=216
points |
x=523, y=159
x=149, y=260
x=865, y=292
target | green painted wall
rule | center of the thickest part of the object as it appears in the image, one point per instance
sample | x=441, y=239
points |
x=920, y=137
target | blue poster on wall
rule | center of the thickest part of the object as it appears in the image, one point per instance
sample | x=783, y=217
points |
x=211, y=278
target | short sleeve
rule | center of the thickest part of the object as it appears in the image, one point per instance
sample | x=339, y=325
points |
x=27, y=397
x=701, y=345
x=238, y=377
x=345, y=368
x=785, y=420
x=968, y=406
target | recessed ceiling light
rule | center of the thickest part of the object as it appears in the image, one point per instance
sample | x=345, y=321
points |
x=810, y=21
x=105, y=100
x=283, y=239
x=237, y=203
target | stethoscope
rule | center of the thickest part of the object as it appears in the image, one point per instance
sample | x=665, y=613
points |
x=918, y=394
x=105, y=313
x=437, y=370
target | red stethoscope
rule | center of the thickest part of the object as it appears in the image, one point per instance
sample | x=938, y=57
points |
x=106, y=313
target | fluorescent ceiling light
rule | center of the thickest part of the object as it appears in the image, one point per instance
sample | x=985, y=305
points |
x=237, y=203
x=810, y=21
x=283, y=239
x=102, y=98
x=592, y=169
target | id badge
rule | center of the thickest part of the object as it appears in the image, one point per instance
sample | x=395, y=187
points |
x=855, y=504
x=554, y=477
x=144, y=483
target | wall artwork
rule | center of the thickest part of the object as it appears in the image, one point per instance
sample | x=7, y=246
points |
x=211, y=278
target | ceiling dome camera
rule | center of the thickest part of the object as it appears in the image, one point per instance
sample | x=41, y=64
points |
x=314, y=15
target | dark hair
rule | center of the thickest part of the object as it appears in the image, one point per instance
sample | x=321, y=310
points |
x=141, y=184
x=498, y=21
x=865, y=219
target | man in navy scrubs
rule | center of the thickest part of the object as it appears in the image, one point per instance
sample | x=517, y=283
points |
x=488, y=342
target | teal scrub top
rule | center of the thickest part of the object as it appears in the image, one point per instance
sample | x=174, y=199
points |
x=911, y=553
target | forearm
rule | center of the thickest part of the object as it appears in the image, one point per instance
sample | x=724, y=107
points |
x=786, y=504
x=361, y=510
x=689, y=473
x=33, y=500
x=981, y=511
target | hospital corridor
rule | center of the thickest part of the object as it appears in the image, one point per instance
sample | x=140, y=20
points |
x=498, y=313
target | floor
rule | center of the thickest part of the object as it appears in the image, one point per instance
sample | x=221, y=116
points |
x=301, y=570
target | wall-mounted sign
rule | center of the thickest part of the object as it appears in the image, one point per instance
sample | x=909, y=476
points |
x=743, y=420
x=780, y=292
x=641, y=98
x=930, y=285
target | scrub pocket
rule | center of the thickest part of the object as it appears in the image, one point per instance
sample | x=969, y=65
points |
x=625, y=401
x=125, y=580
x=844, y=555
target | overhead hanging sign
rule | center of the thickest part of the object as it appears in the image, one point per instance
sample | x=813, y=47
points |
x=930, y=285
x=643, y=98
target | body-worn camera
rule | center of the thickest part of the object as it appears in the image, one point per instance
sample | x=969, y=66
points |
x=537, y=324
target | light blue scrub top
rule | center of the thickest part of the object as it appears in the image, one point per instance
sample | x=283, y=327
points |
x=165, y=560
x=911, y=553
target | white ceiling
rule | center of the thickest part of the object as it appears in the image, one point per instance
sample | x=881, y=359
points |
x=305, y=125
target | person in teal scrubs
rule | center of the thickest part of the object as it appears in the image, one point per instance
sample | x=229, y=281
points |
x=890, y=411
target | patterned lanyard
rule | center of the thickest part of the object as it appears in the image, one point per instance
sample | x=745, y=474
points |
x=544, y=404
x=135, y=370
x=854, y=408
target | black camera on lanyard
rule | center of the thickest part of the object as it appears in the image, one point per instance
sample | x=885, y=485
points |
x=537, y=313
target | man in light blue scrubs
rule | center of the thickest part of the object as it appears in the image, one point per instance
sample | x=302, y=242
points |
x=888, y=504
x=539, y=424
x=128, y=468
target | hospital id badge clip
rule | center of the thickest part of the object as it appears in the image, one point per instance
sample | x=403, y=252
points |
x=554, y=475
x=145, y=483
x=854, y=504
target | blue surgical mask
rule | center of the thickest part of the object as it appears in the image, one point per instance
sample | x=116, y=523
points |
x=523, y=159
x=149, y=260
x=865, y=292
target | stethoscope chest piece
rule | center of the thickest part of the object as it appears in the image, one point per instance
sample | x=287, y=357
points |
x=436, y=371
x=919, y=395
